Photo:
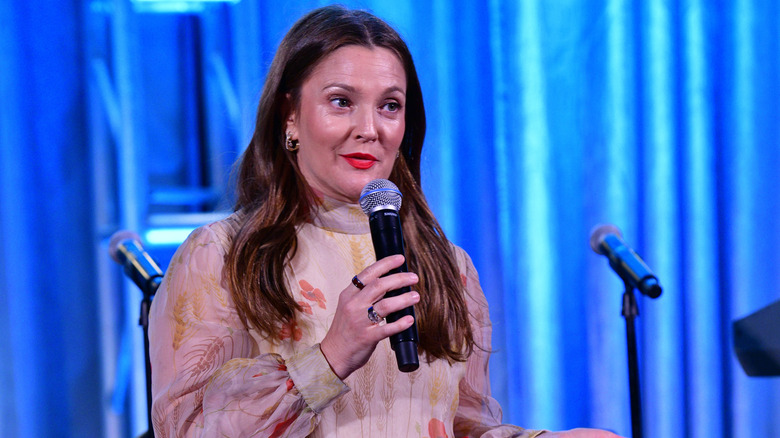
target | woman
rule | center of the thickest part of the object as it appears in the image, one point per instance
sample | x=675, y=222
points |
x=262, y=328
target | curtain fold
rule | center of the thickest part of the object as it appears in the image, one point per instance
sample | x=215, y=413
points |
x=544, y=120
x=50, y=357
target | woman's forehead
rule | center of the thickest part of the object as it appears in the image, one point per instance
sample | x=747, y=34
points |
x=353, y=65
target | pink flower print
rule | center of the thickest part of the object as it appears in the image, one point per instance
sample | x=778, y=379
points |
x=290, y=329
x=436, y=429
x=281, y=428
x=311, y=293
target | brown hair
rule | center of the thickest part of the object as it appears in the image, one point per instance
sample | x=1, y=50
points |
x=275, y=198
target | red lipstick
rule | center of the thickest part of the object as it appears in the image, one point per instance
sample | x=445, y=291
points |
x=360, y=161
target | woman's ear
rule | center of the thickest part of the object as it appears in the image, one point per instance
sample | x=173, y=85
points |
x=291, y=126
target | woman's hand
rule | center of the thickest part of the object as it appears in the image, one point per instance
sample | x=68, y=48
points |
x=581, y=433
x=352, y=337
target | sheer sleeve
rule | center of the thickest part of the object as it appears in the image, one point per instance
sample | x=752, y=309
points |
x=479, y=414
x=208, y=379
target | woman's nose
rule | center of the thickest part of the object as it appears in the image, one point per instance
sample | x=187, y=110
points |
x=366, y=129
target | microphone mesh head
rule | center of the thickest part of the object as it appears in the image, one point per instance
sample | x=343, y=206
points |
x=599, y=233
x=380, y=193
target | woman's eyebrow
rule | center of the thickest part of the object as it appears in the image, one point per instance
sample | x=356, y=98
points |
x=352, y=89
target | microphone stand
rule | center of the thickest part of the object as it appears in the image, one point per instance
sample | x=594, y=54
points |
x=143, y=321
x=630, y=312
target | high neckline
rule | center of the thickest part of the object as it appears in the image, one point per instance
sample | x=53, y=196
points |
x=340, y=217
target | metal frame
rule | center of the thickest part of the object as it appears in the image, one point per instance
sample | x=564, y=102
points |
x=229, y=70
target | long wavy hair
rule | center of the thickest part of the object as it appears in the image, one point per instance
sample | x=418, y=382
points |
x=274, y=197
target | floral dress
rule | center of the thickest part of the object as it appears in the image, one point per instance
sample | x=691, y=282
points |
x=211, y=377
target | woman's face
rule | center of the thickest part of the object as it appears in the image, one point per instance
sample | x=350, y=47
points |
x=350, y=120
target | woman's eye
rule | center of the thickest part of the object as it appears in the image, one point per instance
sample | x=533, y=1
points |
x=392, y=106
x=340, y=102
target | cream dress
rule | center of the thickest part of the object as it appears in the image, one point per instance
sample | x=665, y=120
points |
x=211, y=377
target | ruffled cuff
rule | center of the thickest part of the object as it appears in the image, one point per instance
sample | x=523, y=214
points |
x=513, y=432
x=314, y=379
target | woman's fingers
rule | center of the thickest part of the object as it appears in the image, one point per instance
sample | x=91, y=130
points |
x=353, y=336
x=381, y=286
x=380, y=268
x=389, y=305
x=376, y=286
x=392, y=328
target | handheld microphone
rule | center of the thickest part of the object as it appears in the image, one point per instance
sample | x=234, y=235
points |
x=125, y=248
x=607, y=240
x=381, y=201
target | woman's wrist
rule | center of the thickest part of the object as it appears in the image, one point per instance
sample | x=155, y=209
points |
x=329, y=358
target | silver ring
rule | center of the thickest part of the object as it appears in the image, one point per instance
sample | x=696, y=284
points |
x=358, y=284
x=373, y=316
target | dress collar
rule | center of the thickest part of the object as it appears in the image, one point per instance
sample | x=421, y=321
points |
x=340, y=217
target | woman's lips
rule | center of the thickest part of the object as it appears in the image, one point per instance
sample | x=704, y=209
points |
x=360, y=161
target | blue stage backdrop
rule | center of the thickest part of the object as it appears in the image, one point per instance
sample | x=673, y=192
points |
x=545, y=118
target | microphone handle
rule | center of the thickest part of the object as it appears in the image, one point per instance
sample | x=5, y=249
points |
x=140, y=266
x=630, y=267
x=387, y=236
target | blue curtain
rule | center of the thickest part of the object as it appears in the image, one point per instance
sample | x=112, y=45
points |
x=546, y=118
x=49, y=372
